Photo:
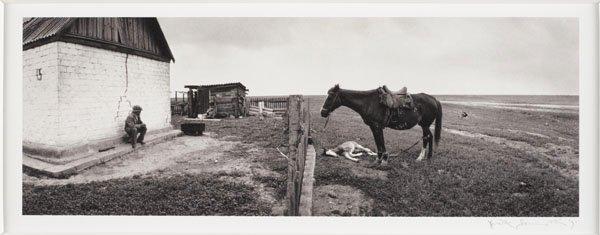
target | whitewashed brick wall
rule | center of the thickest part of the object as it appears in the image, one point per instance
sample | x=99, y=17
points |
x=40, y=97
x=96, y=91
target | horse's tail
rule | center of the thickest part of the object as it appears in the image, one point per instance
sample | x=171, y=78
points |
x=438, y=123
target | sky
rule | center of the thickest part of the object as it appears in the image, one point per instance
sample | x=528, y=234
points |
x=462, y=56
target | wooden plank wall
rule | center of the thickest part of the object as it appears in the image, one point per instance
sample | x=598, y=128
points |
x=299, y=129
x=230, y=101
x=135, y=33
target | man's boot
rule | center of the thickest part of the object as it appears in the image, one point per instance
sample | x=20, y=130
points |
x=142, y=132
x=132, y=139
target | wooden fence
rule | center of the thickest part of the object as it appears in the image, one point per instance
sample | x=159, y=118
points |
x=278, y=104
x=298, y=120
x=261, y=110
x=178, y=104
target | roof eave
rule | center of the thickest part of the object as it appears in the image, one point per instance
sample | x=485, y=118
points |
x=162, y=36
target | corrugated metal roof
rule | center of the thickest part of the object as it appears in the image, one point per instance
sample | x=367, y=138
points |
x=40, y=28
x=216, y=85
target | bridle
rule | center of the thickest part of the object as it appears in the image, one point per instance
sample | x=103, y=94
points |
x=335, y=98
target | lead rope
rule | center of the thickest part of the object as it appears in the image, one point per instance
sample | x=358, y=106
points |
x=326, y=121
x=334, y=100
x=406, y=149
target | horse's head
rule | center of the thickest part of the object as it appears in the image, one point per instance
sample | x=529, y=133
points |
x=332, y=102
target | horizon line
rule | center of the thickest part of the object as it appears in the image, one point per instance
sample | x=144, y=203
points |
x=173, y=92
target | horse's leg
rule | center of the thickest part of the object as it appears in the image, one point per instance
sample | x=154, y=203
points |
x=355, y=154
x=347, y=156
x=425, y=147
x=379, y=141
x=384, y=154
x=429, y=143
x=366, y=150
x=331, y=153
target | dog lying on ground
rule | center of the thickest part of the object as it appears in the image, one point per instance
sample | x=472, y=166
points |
x=347, y=149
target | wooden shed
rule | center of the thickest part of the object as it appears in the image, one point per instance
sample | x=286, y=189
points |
x=228, y=99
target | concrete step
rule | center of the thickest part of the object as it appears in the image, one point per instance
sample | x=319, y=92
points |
x=61, y=160
x=37, y=166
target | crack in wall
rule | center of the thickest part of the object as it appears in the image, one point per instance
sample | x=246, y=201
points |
x=125, y=91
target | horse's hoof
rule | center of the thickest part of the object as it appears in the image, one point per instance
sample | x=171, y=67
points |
x=419, y=160
x=384, y=163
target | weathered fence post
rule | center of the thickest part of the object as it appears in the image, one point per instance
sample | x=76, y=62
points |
x=293, y=125
x=308, y=179
x=190, y=110
x=298, y=125
x=261, y=106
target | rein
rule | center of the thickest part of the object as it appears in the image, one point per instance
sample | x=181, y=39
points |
x=332, y=102
x=326, y=121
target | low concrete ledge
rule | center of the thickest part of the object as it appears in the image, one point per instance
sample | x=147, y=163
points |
x=57, y=152
x=53, y=151
x=34, y=165
x=308, y=180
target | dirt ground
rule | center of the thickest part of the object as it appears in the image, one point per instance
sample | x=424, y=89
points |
x=509, y=157
x=500, y=160
x=219, y=156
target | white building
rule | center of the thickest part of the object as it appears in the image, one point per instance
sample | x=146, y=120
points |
x=81, y=77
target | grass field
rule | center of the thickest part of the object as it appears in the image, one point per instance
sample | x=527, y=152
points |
x=236, y=171
x=501, y=160
x=175, y=195
x=495, y=162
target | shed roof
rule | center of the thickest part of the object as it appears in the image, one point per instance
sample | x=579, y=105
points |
x=223, y=85
x=118, y=34
x=40, y=28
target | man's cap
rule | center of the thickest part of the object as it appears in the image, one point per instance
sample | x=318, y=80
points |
x=137, y=107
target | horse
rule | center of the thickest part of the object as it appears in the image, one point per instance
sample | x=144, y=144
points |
x=347, y=149
x=368, y=104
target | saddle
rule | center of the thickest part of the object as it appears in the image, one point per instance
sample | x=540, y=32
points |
x=395, y=99
x=402, y=113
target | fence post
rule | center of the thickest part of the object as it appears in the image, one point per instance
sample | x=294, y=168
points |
x=190, y=103
x=298, y=125
x=293, y=124
x=261, y=105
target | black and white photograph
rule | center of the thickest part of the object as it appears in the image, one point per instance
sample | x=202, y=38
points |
x=265, y=116
x=301, y=116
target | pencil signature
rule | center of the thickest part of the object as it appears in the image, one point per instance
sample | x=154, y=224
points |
x=522, y=223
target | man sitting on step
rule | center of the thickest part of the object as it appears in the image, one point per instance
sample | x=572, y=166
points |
x=135, y=126
x=396, y=99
